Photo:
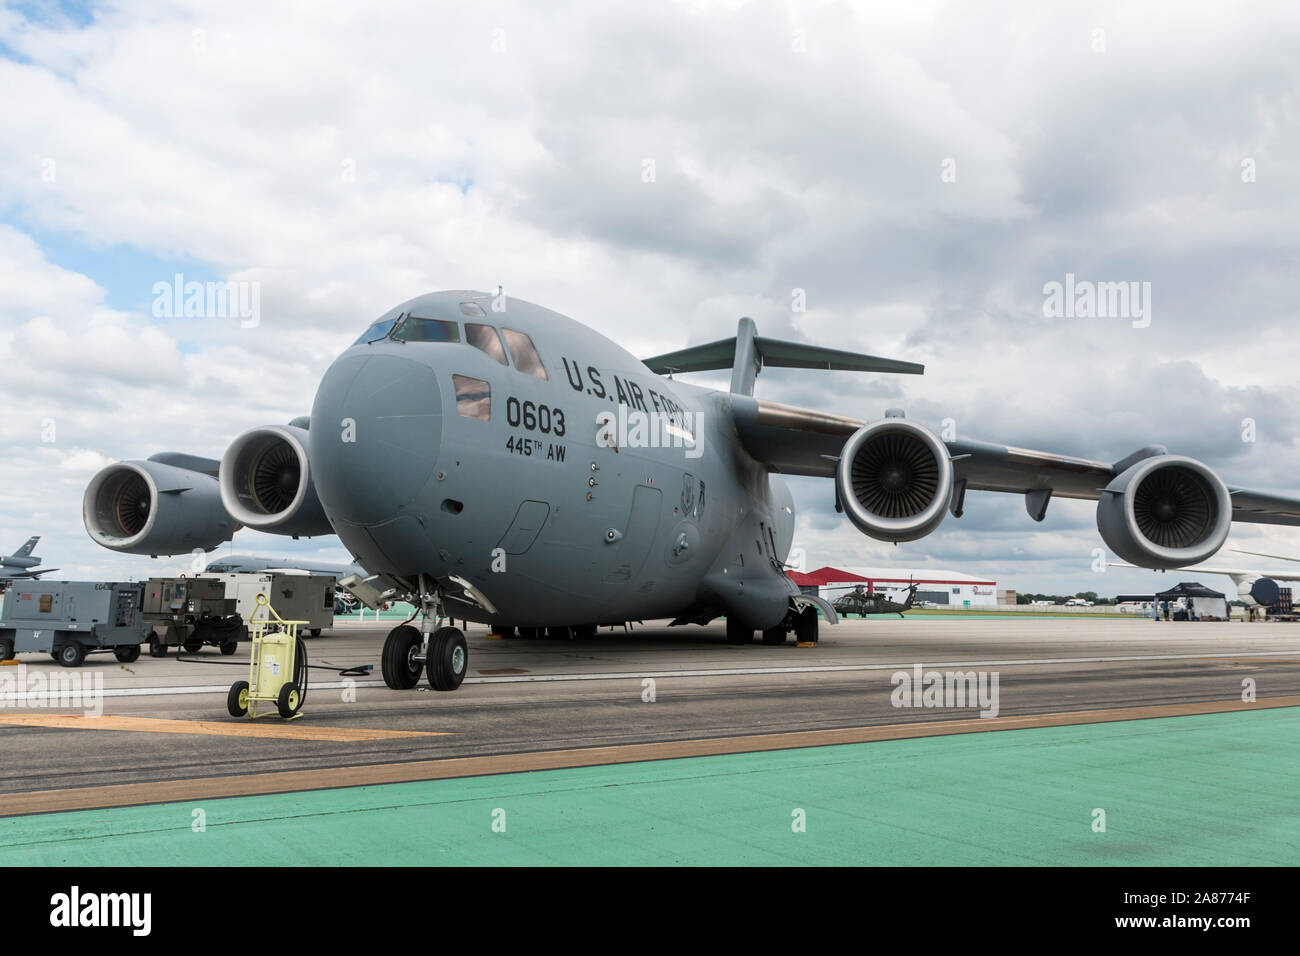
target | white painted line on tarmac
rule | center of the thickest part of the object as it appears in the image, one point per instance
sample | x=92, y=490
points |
x=20, y=697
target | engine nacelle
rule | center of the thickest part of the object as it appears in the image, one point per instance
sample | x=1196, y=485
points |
x=265, y=482
x=894, y=480
x=1264, y=592
x=1165, y=512
x=146, y=507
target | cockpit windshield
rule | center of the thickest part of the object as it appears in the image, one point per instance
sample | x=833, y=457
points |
x=416, y=329
x=378, y=330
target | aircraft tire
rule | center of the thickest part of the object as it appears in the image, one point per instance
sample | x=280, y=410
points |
x=737, y=633
x=448, y=659
x=805, y=626
x=774, y=636
x=401, y=672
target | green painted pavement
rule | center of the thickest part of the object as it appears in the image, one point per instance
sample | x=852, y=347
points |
x=1214, y=789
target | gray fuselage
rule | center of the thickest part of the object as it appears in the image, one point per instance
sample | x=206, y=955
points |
x=433, y=457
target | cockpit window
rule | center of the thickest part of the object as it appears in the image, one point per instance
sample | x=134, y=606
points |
x=473, y=398
x=416, y=329
x=525, y=356
x=485, y=339
x=379, y=330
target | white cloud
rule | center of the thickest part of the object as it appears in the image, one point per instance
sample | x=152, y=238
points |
x=351, y=158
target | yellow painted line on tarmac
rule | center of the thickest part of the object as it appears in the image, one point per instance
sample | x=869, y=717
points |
x=295, y=730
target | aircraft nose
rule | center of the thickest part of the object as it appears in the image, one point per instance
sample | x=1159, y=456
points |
x=375, y=431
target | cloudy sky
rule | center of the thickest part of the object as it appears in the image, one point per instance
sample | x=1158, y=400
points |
x=920, y=171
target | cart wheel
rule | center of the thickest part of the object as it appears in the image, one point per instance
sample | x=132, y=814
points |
x=229, y=647
x=127, y=654
x=72, y=654
x=237, y=699
x=401, y=669
x=6, y=650
x=157, y=648
x=193, y=646
x=315, y=632
x=289, y=700
x=448, y=658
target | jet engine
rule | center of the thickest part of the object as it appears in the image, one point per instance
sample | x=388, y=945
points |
x=1165, y=512
x=265, y=482
x=147, y=507
x=1264, y=592
x=894, y=480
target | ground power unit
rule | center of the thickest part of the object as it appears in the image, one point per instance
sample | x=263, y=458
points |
x=294, y=595
x=70, y=619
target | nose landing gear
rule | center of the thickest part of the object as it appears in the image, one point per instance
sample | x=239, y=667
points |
x=440, y=651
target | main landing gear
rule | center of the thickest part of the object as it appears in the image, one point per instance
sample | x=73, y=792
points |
x=803, y=623
x=439, y=651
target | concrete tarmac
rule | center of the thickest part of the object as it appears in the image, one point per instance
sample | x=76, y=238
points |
x=525, y=696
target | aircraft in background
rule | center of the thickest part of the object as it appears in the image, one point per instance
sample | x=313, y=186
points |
x=491, y=460
x=22, y=564
x=1254, y=587
x=237, y=563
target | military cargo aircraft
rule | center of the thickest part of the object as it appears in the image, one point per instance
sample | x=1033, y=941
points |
x=493, y=461
x=22, y=564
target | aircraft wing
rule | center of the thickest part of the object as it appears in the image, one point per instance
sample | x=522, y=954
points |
x=16, y=575
x=802, y=441
x=1213, y=569
x=1261, y=554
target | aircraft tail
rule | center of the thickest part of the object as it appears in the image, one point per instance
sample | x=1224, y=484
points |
x=748, y=352
x=27, y=548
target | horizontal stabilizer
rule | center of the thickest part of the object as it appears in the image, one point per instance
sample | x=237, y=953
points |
x=748, y=350
x=777, y=354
